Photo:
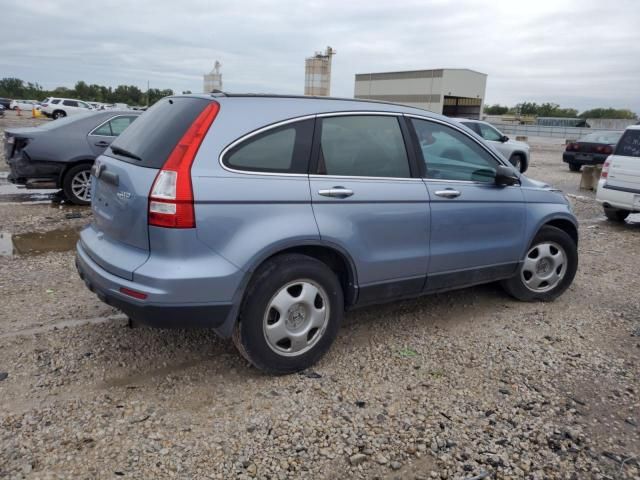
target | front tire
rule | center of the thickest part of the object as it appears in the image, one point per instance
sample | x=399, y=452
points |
x=616, y=215
x=575, y=167
x=290, y=314
x=518, y=162
x=548, y=268
x=76, y=184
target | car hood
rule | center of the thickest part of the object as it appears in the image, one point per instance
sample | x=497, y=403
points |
x=530, y=182
x=522, y=145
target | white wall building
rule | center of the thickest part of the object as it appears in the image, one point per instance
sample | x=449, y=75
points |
x=455, y=92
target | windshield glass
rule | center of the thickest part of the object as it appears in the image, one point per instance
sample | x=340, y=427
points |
x=602, y=137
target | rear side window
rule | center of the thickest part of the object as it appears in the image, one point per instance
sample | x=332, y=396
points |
x=70, y=103
x=55, y=102
x=363, y=146
x=629, y=144
x=152, y=137
x=114, y=127
x=282, y=149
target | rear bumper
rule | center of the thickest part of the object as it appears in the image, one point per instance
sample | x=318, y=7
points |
x=161, y=315
x=592, y=158
x=34, y=174
x=611, y=197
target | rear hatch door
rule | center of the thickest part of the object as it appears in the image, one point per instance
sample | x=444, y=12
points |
x=624, y=164
x=118, y=239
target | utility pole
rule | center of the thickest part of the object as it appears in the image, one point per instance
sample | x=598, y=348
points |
x=147, y=93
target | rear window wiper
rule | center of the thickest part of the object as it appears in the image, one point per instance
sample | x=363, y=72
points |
x=125, y=153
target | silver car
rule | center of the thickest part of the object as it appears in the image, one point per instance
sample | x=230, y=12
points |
x=516, y=152
x=267, y=217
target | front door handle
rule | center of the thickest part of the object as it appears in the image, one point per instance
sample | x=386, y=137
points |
x=448, y=193
x=336, y=192
x=102, y=143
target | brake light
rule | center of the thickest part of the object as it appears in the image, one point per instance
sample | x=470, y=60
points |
x=171, y=197
x=44, y=105
x=605, y=169
x=573, y=146
x=607, y=149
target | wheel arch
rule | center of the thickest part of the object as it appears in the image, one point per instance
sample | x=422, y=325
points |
x=70, y=164
x=564, y=224
x=524, y=158
x=338, y=260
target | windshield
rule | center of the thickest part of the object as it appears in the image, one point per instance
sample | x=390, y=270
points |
x=602, y=137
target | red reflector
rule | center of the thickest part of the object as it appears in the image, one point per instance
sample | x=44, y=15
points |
x=133, y=293
x=179, y=210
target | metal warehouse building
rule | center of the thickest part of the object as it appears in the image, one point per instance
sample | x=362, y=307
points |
x=455, y=92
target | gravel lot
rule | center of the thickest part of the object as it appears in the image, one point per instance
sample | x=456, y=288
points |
x=468, y=384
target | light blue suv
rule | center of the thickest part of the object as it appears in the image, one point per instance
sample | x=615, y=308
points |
x=267, y=217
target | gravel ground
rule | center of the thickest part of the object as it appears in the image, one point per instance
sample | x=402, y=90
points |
x=451, y=386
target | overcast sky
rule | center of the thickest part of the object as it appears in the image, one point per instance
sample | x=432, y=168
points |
x=579, y=53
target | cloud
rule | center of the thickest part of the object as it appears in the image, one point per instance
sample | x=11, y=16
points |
x=579, y=53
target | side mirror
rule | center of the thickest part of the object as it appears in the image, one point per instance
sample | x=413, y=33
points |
x=506, y=176
x=504, y=139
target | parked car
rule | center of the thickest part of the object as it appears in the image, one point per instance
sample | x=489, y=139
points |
x=62, y=107
x=619, y=184
x=516, y=152
x=266, y=217
x=22, y=104
x=60, y=154
x=5, y=102
x=1, y=110
x=592, y=149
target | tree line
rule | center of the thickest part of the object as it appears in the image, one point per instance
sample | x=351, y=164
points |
x=129, y=94
x=554, y=110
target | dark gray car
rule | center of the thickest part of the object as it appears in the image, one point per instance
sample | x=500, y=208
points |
x=60, y=154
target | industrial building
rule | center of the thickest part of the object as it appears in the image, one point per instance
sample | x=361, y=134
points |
x=454, y=92
x=213, y=79
x=317, y=73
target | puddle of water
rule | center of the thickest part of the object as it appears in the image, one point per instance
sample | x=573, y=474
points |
x=12, y=193
x=35, y=243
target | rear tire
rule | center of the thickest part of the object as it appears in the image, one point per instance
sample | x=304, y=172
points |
x=575, y=167
x=59, y=114
x=616, y=214
x=76, y=184
x=290, y=315
x=548, y=268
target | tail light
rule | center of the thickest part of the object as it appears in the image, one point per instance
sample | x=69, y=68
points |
x=171, y=197
x=607, y=149
x=605, y=169
x=573, y=146
x=44, y=105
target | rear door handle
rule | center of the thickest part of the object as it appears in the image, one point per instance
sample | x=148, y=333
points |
x=102, y=143
x=336, y=192
x=448, y=193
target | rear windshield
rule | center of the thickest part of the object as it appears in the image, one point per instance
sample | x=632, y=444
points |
x=629, y=144
x=152, y=137
x=609, y=138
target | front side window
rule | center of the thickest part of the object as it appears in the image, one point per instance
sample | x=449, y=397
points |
x=282, y=149
x=451, y=155
x=489, y=133
x=362, y=146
